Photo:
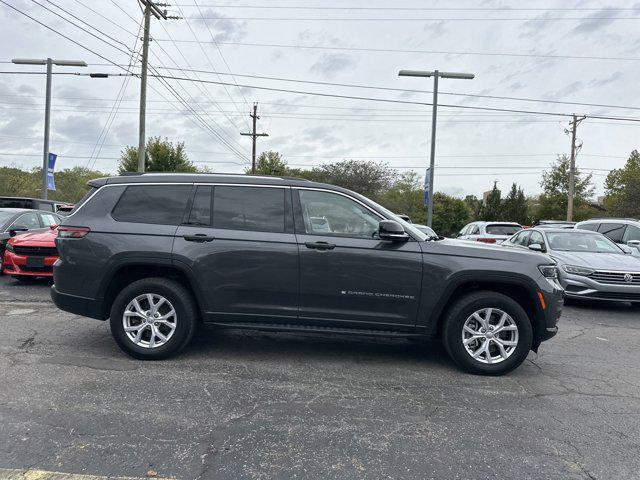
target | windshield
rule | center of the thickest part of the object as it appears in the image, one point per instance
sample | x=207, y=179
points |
x=581, y=242
x=498, y=229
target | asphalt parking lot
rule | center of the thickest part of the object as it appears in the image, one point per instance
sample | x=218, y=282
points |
x=268, y=406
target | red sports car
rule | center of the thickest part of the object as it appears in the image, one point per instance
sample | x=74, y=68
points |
x=31, y=255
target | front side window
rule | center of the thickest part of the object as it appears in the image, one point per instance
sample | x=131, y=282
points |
x=475, y=230
x=522, y=239
x=260, y=209
x=156, y=204
x=49, y=219
x=28, y=220
x=631, y=233
x=536, y=238
x=326, y=213
x=615, y=231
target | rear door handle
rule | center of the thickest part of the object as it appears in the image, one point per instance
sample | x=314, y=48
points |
x=320, y=245
x=198, y=237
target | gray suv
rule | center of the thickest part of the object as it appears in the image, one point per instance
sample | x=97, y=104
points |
x=159, y=253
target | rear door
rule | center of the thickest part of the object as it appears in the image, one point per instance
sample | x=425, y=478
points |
x=238, y=241
x=349, y=276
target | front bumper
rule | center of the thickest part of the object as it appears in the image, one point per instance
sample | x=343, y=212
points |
x=16, y=265
x=578, y=286
x=550, y=309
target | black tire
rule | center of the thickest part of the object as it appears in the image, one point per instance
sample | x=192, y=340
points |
x=25, y=278
x=462, y=309
x=186, y=317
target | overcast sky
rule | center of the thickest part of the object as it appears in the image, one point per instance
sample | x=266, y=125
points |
x=310, y=129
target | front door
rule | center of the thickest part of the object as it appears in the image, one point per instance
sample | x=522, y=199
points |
x=349, y=276
x=239, y=243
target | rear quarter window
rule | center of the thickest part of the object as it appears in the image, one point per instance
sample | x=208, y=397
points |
x=156, y=204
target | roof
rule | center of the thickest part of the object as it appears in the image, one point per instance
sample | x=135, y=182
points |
x=31, y=198
x=610, y=219
x=563, y=230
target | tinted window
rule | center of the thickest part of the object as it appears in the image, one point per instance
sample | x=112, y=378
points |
x=201, y=209
x=327, y=213
x=29, y=220
x=260, y=209
x=614, y=231
x=503, y=229
x=589, y=226
x=631, y=233
x=15, y=203
x=158, y=204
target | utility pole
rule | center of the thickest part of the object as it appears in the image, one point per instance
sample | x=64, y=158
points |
x=572, y=167
x=150, y=8
x=434, y=114
x=47, y=109
x=254, y=135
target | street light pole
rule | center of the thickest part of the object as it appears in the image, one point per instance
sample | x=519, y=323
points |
x=47, y=110
x=434, y=109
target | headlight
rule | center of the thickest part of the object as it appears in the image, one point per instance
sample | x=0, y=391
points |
x=578, y=270
x=549, y=271
x=9, y=248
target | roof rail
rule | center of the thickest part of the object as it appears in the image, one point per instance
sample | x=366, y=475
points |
x=612, y=218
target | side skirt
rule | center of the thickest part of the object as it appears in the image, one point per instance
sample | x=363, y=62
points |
x=284, y=327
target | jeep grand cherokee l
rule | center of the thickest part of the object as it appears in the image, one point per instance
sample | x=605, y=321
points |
x=158, y=253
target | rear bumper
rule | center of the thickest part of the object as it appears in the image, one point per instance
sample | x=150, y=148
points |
x=87, y=307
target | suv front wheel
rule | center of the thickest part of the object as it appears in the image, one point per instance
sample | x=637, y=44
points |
x=153, y=318
x=487, y=333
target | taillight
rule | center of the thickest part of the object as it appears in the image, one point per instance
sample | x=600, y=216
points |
x=72, y=232
x=486, y=240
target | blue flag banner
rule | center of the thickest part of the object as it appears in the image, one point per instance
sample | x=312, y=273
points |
x=426, y=188
x=52, y=164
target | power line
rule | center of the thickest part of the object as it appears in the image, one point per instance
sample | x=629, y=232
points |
x=433, y=52
x=506, y=9
x=413, y=19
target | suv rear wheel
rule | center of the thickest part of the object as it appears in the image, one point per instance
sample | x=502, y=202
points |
x=487, y=333
x=153, y=318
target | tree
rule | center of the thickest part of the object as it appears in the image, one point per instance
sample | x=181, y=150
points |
x=474, y=204
x=406, y=196
x=622, y=189
x=160, y=156
x=367, y=178
x=450, y=214
x=270, y=163
x=515, y=206
x=492, y=208
x=555, y=185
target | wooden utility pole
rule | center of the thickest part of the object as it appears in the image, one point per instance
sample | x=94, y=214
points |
x=150, y=8
x=572, y=167
x=254, y=135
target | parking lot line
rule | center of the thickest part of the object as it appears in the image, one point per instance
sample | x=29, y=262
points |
x=33, y=474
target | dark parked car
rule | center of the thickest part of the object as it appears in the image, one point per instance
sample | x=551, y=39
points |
x=159, y=253
x=32, y=203
x=21, y=220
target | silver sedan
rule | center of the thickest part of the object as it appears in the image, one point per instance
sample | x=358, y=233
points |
x=590, y=265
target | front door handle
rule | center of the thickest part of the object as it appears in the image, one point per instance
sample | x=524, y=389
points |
x=320, y=245
x=198, y=237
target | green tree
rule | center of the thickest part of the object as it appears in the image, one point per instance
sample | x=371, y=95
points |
x=450, y=214
x=492, y=208
x=555, y=186
x=160, y=156
x=15, y=182
x=270, y=163
x=515, y=206
x=474, y=204
x=622, y=189
x=371, y=179
x=406, y=196
x=71, y=183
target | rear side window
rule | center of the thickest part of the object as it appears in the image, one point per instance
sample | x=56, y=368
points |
x=589, y=226
x=614, y=231
x=503, y=229
x=86, y=197
x=157, y=204
x=631, y=233
x=259, y=209
x=201, y=208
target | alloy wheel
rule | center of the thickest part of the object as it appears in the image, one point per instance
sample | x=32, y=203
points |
x=490, y=335
x=149, y=320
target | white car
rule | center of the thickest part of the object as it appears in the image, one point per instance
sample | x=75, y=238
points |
x=623, y=231
x=489, y=232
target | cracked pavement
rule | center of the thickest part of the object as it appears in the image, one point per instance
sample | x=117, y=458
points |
x=240, y=404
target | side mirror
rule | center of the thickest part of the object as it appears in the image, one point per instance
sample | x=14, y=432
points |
x=18, y=228
x=392, y=231
x=536, y=247
x=626, y=249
